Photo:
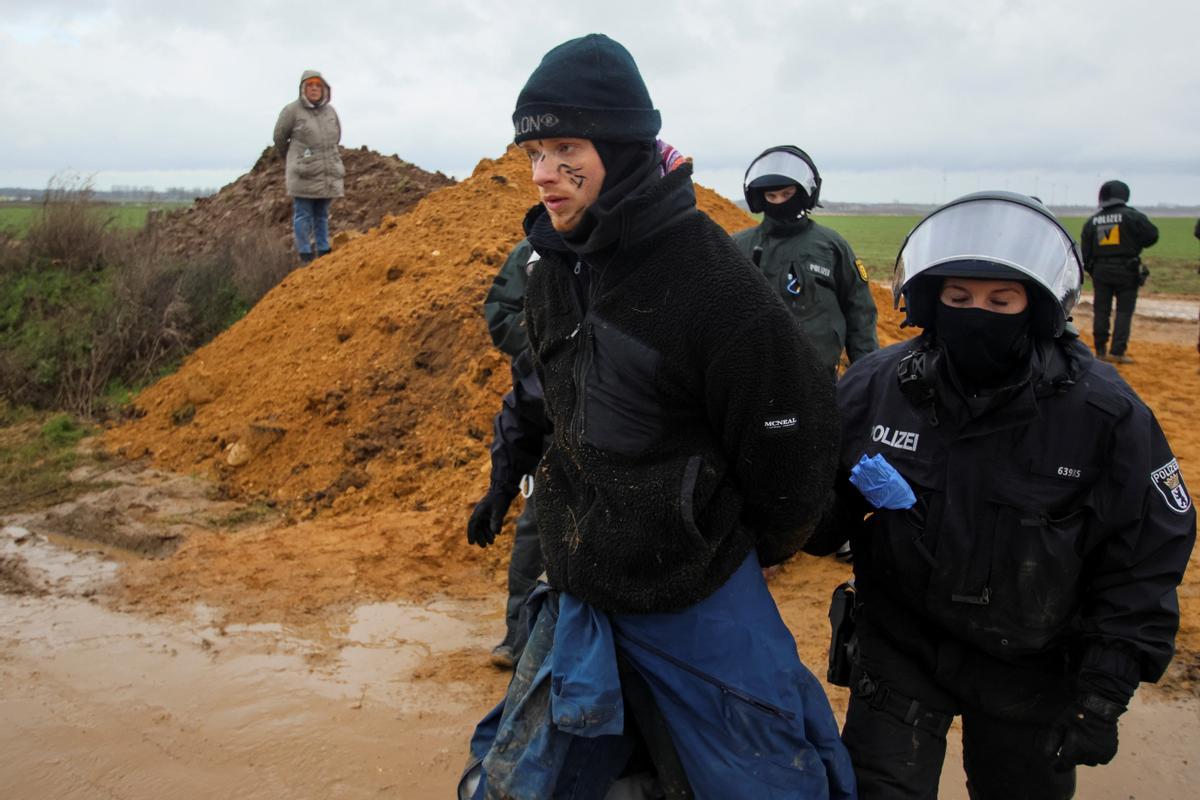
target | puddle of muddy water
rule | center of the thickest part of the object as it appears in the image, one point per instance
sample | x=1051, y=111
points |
x=99, y=703
x=58, y=564
x=394, y=639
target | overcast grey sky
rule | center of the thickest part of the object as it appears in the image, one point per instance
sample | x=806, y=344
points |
x=916, y=101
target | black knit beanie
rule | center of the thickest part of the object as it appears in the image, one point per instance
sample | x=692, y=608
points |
x=587, y=88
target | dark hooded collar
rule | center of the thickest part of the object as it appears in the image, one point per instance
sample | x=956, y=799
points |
x=541, y=233
x=655, y=203
x=927, y=377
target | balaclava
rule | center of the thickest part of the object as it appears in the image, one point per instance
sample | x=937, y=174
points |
x=788, y=211
x=985, y=348
x=626, y=166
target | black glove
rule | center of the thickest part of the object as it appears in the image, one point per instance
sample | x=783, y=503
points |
x=1084, y=733
x=1143, y=275
x=488, y=516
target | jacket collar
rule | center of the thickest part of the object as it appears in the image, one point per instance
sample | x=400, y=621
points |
x=926, y=379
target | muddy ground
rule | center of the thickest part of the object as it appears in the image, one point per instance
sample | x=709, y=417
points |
x=157, y=640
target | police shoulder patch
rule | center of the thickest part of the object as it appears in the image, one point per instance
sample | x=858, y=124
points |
x=862, y=270
x=1169, y=482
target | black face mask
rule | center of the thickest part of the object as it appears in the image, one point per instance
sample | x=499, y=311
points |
x=789, y=210
x=985, y=348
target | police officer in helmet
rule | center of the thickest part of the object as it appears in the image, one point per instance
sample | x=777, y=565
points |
x=1018, y=520
x=1112, y=240
x=811, y=267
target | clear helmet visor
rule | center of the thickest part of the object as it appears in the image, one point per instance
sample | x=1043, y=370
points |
x=991, y=229
x=777, y=164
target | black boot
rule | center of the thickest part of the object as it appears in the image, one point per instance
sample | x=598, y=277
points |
x=306, y=258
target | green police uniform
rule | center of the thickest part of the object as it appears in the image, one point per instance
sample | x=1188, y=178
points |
x=504, y=306
x=822, y=283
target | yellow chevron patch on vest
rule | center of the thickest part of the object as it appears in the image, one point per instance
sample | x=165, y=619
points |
x=862, y=270
x=1111, y=237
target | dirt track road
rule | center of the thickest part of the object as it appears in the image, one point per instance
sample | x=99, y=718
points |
x=101, y=704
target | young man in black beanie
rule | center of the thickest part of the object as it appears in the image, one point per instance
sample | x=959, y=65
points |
x=692, y=442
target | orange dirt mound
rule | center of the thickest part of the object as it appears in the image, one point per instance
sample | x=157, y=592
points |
x=376, y=185
x=368, y=379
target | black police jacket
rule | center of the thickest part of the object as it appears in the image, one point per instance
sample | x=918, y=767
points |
x=819, y=279
x=1056, y=518
x=1112, y=240
x=691, y=420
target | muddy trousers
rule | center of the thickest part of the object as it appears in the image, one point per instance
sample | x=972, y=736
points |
x=1126, y=296
x=310, y=222
x=524, y=567
x=901, y=705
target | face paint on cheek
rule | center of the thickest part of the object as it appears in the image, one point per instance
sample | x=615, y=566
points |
x=574, y=174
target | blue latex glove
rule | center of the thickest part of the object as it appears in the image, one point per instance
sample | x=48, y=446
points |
x=881, y=484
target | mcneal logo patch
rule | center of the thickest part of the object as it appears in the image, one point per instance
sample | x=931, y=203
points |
x=1169, y=482
x=780, y=424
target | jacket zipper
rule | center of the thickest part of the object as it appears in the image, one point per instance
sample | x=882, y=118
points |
x=576, y=427
x=582, y=362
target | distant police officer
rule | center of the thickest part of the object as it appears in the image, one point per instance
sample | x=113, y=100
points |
x=1017, y=557
x=812, y=267
x=1113, y=239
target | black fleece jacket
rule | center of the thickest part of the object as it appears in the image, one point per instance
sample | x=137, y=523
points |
x=692, y=420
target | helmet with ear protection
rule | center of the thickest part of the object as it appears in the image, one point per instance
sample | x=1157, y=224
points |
x=992, y=236
x=777, y=167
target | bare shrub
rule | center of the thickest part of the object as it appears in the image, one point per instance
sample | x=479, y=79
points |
x=260, y=261
x=151, y=321
x=85, y=309
x=12, y=251
x=71, y=229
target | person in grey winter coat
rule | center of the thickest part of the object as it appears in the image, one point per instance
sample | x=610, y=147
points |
x=307, y=134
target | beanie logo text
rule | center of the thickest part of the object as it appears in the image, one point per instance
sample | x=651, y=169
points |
x=534, y=123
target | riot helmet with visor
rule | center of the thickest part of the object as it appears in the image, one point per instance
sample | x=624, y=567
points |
x=997, y=235
x=776, y=168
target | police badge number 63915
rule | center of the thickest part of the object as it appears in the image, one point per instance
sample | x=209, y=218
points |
x=1169, y=482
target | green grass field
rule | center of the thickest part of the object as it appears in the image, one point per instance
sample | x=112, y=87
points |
x=1172, y=261
x=15, y=218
